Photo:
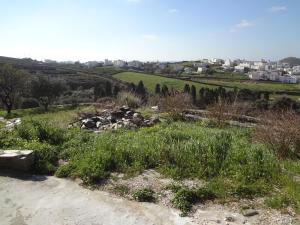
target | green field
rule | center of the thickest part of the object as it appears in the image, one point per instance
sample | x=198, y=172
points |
x=259, y=86
x=150, y=81
x=293, y=90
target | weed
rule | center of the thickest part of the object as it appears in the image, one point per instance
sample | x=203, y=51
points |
x=144, y=195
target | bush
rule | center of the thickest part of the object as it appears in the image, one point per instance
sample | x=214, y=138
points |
x=279, y=201
x=129, y=99
x=185, y=198
x=144, y=195
x=29, y=103
x=175, y=104
x=281, y=132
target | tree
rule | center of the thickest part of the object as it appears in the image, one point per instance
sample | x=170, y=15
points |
x=108, y=89
x=116, y=90
x=140, y=90
x=46, y=90
x=193, y=93
x=157, y=89
x=99, y=91
x=165, y=90
x=187, y=89
x=132, y=87
x=11, y=84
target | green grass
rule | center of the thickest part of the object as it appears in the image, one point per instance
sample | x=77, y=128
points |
x=226, y=158
x=150, y=81
x=252, y=85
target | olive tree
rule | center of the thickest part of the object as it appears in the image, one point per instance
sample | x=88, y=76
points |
x=11, y=84
x=47, y=90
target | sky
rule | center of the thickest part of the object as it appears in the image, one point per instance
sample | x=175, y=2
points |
x=149, y=30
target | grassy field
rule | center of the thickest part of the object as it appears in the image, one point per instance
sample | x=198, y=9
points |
x=293, y=90
x=150, y=81
x=259, y=86
x=233, y=166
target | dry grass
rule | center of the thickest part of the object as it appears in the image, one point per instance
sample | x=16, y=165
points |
x=130, y=99
x=175, y=104
x=281, y=132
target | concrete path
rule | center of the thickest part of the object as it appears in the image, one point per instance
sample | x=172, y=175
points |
x=53, y=201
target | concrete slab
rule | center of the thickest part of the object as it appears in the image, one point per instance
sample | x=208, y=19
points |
x=21, y=160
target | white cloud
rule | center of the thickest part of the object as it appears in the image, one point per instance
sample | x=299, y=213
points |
x=242, y=25
x=173, y=11
x=150, y=37
x=275, y=9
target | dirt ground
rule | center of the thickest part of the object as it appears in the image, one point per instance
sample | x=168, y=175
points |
x=53, y=201
x=36, y=200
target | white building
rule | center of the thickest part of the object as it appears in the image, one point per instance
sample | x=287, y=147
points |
x=288, y=79
x=228, y=63
x=119, y=63
x=241, y=67
x=202, y=69
x=272, y=76
x=296, y=70
x=135, y=64
x=107, y=62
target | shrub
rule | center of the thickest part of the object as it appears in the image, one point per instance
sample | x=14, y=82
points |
x=129, y=99
x=185, y=198
x=49, y=133
x=144, y=195
x=175, y=104
x=278, y=202
x=29, y=103
x=281, y=132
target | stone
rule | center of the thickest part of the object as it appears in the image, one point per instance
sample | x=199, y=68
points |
x=229, y=219
x=117, y=114
x=89, y=123
x=155, y=108
x=250, y=212
x=155, y=119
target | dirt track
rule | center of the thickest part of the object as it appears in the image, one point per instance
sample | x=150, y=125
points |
x=53, y=201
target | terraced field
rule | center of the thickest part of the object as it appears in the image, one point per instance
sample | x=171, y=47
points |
x=150, y=81
x=293, y=90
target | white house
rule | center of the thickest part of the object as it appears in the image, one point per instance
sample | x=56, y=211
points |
x=135, y=64
x=107, y=62
x=288, y=79
x=241, y=67
x=119, y=63
x=202, y=69
x=296, y=70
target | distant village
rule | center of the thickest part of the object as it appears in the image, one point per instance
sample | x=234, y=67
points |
x=255, y=70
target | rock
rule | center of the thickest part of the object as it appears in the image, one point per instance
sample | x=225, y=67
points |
x=129, y=113
x=124, y=108
x=117, y=114
x=98, y=124
x=155, y=108
x=88, y=123
x=137, y=115
x=155, y=119
x=249, y=212
x=229, y=219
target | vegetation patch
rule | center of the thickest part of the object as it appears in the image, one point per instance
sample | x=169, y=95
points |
x=144, y=195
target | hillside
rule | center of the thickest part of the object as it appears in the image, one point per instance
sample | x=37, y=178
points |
x=79, y=79
x=293, y=61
